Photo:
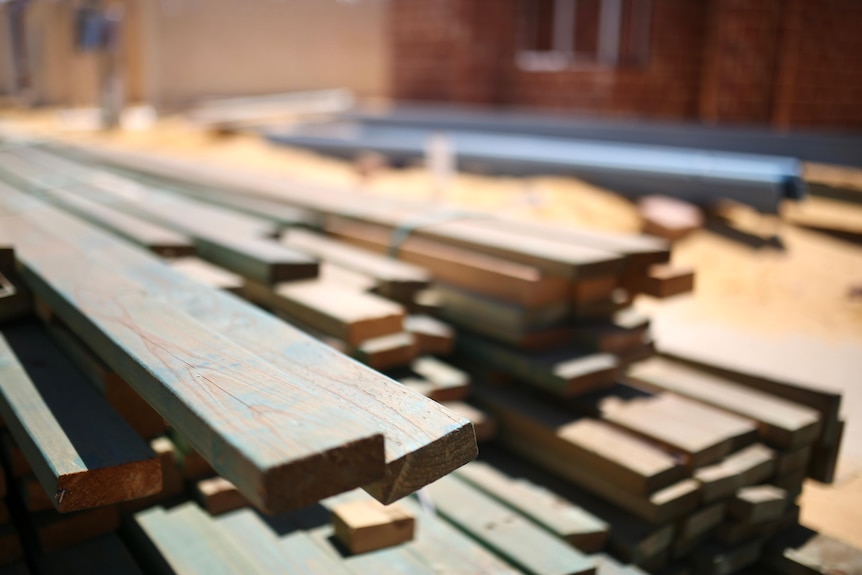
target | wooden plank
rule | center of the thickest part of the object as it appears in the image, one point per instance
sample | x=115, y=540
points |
x=138, y=414
x=565, y=372
x=489, y=316
x=523, y=436
x=664, y=280
x=103, y=555
x=567, y=521
x=450, y=383
x=83, y=453
x=484, y=424
x=215, y=404
x=55, y=531
x=344, y=277
x=218, y=495
x=368, y=525
x=340, y=312
x=596, y=449
x=783, y=423
x=173, y=483
x=387, y=351
x=758, y=503
x=281, y=549
x=716, y=559
x=824, y=459
x=184, y=540
x=225, y=238
x=607, y=565
x=702, y=434
x=732, y=532
x=394, y=279
x=497, y=277
x=208, y=274
x=594, y=290
x=433, y=336
x=191, y=464
x=390, y=561
x=418, y=450
x=700, y=522
x=748, y=466
x=826, y=401
x=158, y=239
x=507, y=533
x=447, y=550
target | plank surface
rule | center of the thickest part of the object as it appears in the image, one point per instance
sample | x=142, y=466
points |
x=784, y=423
x=507, y=533
x=595, y=447
x=418, y=450
x=432, y=335
x=367, y=525
x=566, y=372
x=177, y=366
x=340, y=312
x=207, y=273
x=218, y=495
x=569, y=522
x=83, y=453
x=758, y=503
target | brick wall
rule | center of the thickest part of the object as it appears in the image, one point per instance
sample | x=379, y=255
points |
x=741, y=61
x=792, y=63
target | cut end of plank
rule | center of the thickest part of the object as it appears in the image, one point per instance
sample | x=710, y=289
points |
x=435, y=460
x=99, y=487
x=300, y=483
x=364, y=526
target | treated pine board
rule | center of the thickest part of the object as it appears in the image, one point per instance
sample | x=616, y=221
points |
x=787, y=461
x=786, y=424
x=287, y=550
x=510, y=535
x=732, y=532
x=215, y=402
x=594, y=290
x=390, y=561
x=217, y=495
x=567, y=521
x=758, y=503
x=393, y=277
x=824, y=459
x=565, y=372
x=747, y=466
x=626, y=329
x=55, y=531
x=418, y=450
x=447, y=550
x=339, y=312
x=81, y=450
x=484, y=424
x=208, y=274
x=184, y=540
x=368, y=525
x=697, y=524
x=159, y=240
x=607, y=565
x=433, y=336
x=826, y=401
x=701, y=433
x=663, y=281
x=387, y=351
x=103, y=555
x=596, y=449
x=659, y=507
x=345, y=278
x=191, y=464
x=450, y=383
x=173, y=483
x=489, y=316
x=125, y=401
x=225, y=238
x=497, y=277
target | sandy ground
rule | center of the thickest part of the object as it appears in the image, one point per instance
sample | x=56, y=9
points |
x=769, y=291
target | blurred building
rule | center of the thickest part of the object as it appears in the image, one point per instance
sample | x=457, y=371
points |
x=788, y=63
x=785, y=63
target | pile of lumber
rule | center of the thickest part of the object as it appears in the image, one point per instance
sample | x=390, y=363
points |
x=526, y=330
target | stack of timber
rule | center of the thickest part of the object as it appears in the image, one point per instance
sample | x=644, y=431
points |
x=668, y=464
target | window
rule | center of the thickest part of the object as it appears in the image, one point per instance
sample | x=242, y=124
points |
x=559, y=34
